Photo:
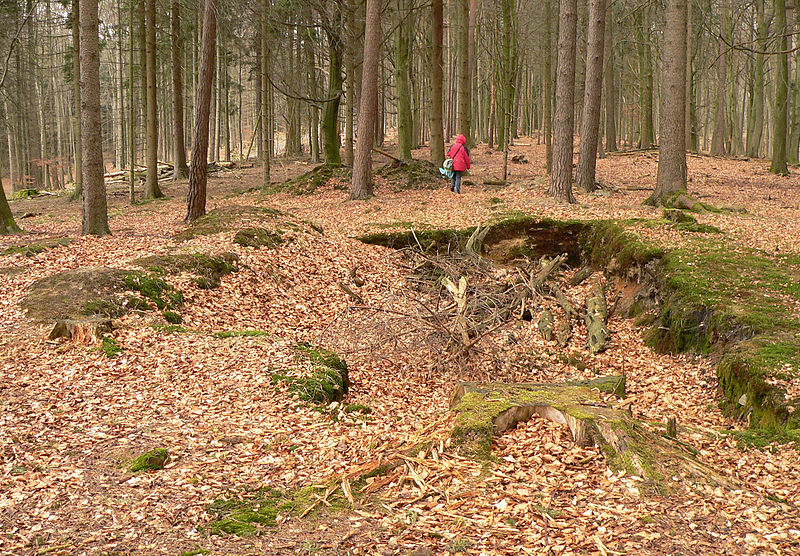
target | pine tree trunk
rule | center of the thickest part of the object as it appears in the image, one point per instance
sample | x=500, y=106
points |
x=179, y=157
x=437, y=79
x=152, y=190
x=778, y=165
x=590, y=123
x=564, y=128
x=610, y=91
x=330, y=111
x=672, y=137
x=362, y=166
x=198, y=169
x=95, y=212
x=76, y=94
x=350, y=69
x=403, y=42
x=718, y=146
x=756, y=118
x=131, y=111
x=266, y=106
x=462, y=56
x=548, y=83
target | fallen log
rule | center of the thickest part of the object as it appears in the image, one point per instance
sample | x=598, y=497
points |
x=562, y=300
x=546, y=324
x=581, y=276
x=563, y=332
x=627, y=444
x=387, y=155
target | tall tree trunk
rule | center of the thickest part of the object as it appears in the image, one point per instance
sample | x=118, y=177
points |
x=464, y=120
x=756, y=117
x=350, y=69
x=718, y=146
x=131, y=110
x=564, y=129
x=548, y=83
x=152, y=190
x=95, y=211
x=181, y=169
x=672, y=136
x=76, y=94
x=7, y=223
x=330, y=111
x=266, y=104
x=781, y=94
x=403, y=42
x=610, y=91
x=437, y=80
x=590, y=123
x=362, y=166
x=646, y=130
x=199, y=163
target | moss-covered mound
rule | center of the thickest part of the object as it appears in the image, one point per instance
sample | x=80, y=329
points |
x=335, y=174
x=228, y=218
x=411, y=174
x=99, y=291
x=31, y=249
x=258, y=237
x=209, y=269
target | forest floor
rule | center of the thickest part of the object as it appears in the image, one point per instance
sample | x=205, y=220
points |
x=70, y=416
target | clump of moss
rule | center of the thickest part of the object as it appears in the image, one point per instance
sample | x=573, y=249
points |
x=766, y=438
x=173, y=317
x=249, y=512
x=150, y=461
x=312, y=180
x=209, y=268
x=411, y=174
x=110, y=347
x=169, y=328
x=24, y=194
x=325, y=385
x=320, y=356
x=31, y=249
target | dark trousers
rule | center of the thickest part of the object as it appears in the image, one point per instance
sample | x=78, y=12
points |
x=455, y=184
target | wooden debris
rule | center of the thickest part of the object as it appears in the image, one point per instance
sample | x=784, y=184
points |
x=581, y=276
x=546, y=321
x=563, y=332
x=596, y=318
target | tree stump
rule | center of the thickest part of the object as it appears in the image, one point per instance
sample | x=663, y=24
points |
x=82, y=331
x=628, y=444
x=563, y=332
x=546, y=324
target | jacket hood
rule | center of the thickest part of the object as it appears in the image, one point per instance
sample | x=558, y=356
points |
x=461, y=139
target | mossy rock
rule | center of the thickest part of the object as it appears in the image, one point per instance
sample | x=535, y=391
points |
x=411, y=174
x=149, y=461
x=225, y=219
x=258, y=237
x=101, y=291
x=329, y=381
x=31, y=249
x=208, y=268
x=320, y=356
x=318, y=177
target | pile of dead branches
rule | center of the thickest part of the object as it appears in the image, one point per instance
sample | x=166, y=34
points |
x=455, y=304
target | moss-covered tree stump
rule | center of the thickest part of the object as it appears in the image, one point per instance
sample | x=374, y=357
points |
x=628, y=445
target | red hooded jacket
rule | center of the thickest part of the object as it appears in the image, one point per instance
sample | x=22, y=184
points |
x=459, y=154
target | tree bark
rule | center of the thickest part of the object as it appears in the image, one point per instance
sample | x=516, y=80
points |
x=548, y=84
x=590, y=123
x=181, y=169
x=437, y=80
x=561, y=178
x=403, y=42
x=778, y=165
x=330, y=111
x=266, y=105
x=362, y=166
x=464, y=122
x=76, y=93
x=198, y=170
x=672, y=137
x=610, y=91
x=95, y=211
x=756, y=118
x=152, y=191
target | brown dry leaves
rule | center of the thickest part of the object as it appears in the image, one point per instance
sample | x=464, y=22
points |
x=69, y=415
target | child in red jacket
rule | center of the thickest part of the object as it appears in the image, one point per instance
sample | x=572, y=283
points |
x=461, y=163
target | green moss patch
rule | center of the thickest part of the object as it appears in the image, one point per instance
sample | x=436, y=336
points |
x=24, y=194
x=110, y=347
x=225, y=219
x=31, y=249
x=329, y=380
x=320, y=356
x=240, y=334
x=339, y=176
x=249, y=512
x=149, y=461
x=258, y=237
x=766, y=438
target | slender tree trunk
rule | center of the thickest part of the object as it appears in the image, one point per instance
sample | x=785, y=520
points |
x=437, y=79
x=95, y=212
x=76, y=94
x=464, y=120
x=610, y=92
x=131, y=110
x=718, y=146
x=590, y=123
x=350, y=69
x=181, y=169
x=266, y=105
x=199, y=163
x=781, y=94
x=330, y=111
x=362, y=166
x=672, y=136
x=403, y=42
x=756, y=118
x=152, y=190
x=561, y=179
x=548, y=83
